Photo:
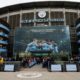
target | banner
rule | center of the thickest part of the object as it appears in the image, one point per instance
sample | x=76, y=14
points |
x=54, y=39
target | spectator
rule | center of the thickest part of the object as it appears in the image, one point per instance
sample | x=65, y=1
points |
x=1, y=60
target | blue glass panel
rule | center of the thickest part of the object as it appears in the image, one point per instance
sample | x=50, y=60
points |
x=3, y=34
x=3, y=42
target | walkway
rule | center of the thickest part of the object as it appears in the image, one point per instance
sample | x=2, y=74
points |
x=37, y=67
x=43, y=74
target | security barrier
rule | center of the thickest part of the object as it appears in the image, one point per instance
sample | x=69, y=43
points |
x=64, y=66
x=17, y=65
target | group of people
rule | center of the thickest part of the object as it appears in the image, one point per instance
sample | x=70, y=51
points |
x=42, y=45
x=47, y=62
x=30, y=61
x=1, y=60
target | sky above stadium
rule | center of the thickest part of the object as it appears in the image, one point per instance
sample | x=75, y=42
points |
x=4, y=3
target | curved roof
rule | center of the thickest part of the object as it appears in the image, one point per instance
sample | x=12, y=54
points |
x=4, y=3
x=23, y=4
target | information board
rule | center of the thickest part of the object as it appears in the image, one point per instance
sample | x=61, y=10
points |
x=56, y=67
x=9, y=67
x=71, y=67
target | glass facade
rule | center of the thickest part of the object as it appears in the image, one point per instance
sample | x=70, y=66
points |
x=14, y=21
x=57, y=15
x=28, y=16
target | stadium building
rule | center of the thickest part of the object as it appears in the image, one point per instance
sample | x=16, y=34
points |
x=42, y=13
x=4, y=38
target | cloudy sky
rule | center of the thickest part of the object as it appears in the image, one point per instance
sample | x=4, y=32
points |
x=4, y=3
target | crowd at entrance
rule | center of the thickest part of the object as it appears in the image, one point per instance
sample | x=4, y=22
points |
x=30, y=61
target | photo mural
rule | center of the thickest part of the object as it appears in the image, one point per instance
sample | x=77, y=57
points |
x=48, y=39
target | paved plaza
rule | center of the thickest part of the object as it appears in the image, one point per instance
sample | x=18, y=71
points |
x=38, y=73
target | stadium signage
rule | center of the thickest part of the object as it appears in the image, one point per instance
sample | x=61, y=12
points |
x=42, y=30
x=42, y=20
